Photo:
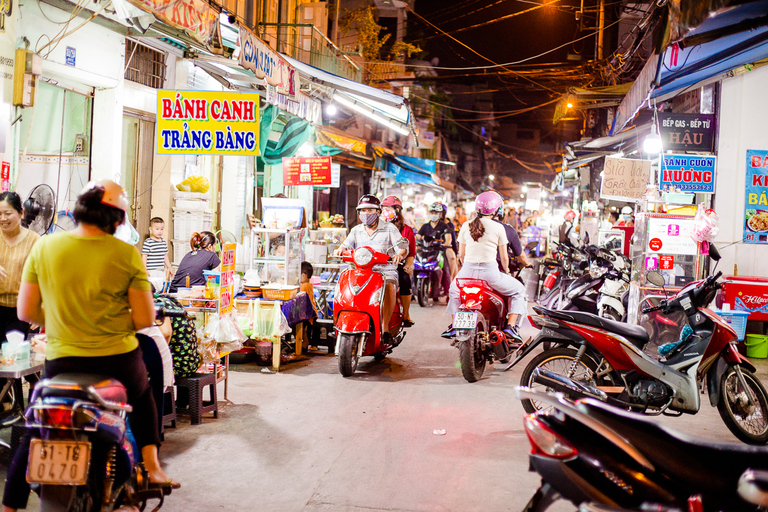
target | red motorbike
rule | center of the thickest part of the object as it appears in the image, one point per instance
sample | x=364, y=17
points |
x=599, y=358
x=477, y=325
x=357, y=311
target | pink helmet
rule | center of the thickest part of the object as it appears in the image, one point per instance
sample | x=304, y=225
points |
x=488, y=203
x=570, y=215
x=392, y=201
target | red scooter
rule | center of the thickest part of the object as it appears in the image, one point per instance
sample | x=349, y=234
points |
x=357, y=311
x=478, y=324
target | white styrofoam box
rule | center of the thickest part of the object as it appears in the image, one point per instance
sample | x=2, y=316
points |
x=186, y=222
x=191, y=204
x=180, y=249
x=179, y=194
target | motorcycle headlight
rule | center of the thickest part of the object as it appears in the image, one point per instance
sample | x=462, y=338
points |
x=362, y=256
x=596, y=270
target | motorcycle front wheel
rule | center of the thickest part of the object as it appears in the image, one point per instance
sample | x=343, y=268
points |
x=424, y=292
x=749, y=424
x=348, y=354
x=559, y=360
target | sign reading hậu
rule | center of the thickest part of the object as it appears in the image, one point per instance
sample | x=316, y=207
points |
x=687, y=132
x=207, y=123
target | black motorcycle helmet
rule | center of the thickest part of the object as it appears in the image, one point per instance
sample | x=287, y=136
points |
x=369, y=201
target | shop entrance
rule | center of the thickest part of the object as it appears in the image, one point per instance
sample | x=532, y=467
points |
x=138, y=149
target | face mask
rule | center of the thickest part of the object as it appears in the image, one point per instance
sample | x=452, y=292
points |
x=625, y=218
x=434, y=217
x=388, y=215
x=369, y=219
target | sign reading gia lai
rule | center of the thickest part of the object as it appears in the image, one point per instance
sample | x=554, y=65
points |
x=756, y=199
x=687, y=132
x=688, y=173
x=307, y=171
x=207, y=123
x=624, y=178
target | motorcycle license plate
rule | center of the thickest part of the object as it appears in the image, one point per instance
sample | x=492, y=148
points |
x=464, y=320
x=58, y=462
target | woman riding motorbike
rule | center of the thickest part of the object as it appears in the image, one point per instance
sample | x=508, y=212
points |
x=392, y=211
x=479, y=242
x=381, y=237
x=439, y=230
x=90, y=291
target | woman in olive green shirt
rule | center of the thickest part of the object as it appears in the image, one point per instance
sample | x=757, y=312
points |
x=95, y=295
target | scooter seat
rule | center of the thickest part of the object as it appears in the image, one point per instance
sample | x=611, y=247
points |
x=76, y=385
x=634, y=333
x=702, y=466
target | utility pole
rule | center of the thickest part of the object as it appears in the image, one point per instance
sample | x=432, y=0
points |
x=336, y=24
x=600, y=27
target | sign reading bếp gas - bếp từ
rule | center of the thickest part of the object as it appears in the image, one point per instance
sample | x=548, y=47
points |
x=207, y=123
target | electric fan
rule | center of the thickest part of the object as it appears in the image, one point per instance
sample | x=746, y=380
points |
x=39, y=209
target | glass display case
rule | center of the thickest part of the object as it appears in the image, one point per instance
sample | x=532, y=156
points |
x=332, y=237
x=277, y=255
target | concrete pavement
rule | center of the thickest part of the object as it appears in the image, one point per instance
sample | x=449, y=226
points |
x=307, y=439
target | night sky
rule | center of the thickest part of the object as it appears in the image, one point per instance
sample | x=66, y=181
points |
x=504, y=41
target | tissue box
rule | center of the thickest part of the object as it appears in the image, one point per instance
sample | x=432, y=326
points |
x=316, y=252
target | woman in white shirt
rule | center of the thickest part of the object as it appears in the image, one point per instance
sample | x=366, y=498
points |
x=479, y=242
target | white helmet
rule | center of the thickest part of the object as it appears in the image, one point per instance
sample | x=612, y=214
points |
x=627, y=210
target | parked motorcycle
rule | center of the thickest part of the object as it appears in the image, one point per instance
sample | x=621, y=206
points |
x=82, y=455
x=478, y=324
x=618, y=461
x=611, y=298
x=574, y=263
x=357, y=311
x=429, y=266
x=599, y=358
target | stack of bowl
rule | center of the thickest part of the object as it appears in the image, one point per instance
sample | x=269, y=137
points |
x=252, y=292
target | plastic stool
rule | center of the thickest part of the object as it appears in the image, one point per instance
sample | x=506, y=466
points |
x=197, y=406
x=169, y=408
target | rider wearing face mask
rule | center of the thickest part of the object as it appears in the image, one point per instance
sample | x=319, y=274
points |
x=392, y=211
x=381, y=237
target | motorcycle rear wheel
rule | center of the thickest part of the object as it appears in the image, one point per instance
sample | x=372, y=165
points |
x=749, y=426
x=558, y=360
x=348, y=354
x=472, y=358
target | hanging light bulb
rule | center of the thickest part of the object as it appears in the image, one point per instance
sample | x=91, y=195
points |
x=331, y=109
x=652, y=142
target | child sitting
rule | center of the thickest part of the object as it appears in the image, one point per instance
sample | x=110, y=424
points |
x=154, y=253
x=306, y=286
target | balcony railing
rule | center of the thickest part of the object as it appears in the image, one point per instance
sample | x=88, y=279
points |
x=307, y=44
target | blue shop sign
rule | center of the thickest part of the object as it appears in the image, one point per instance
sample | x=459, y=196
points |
x=689, y=173
x=71, y=56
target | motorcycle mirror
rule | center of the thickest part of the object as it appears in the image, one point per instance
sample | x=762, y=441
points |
x=655, y=278
x=713, y=252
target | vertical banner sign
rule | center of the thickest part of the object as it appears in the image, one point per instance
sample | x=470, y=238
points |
x=533, y=198
x=207, y=123
x=756, y=200
x=5, y=177
x=307, y=171
x=257, y=56
x=227, y=288
x=687, y=132
x=688, y=173
x=624, y=179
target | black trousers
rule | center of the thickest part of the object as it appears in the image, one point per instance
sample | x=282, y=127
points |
x=404, y=281
x=130, y=370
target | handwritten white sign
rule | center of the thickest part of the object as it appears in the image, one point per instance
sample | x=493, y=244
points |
x=624, y=178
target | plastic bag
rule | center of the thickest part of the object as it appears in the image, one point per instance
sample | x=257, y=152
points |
x=706, y=224
x=226, y=332
x=269, y=322
x=207, y=347
x=198, y=184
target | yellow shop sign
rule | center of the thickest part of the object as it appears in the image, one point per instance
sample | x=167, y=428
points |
x=207, y=123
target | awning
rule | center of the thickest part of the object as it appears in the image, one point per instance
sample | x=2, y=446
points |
x=366, y=92
x=330, y=137
x=692, y=19
x=724, y=42
x=596, y=97
x=583, y=152
x=408, y=169
x=227, y=72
